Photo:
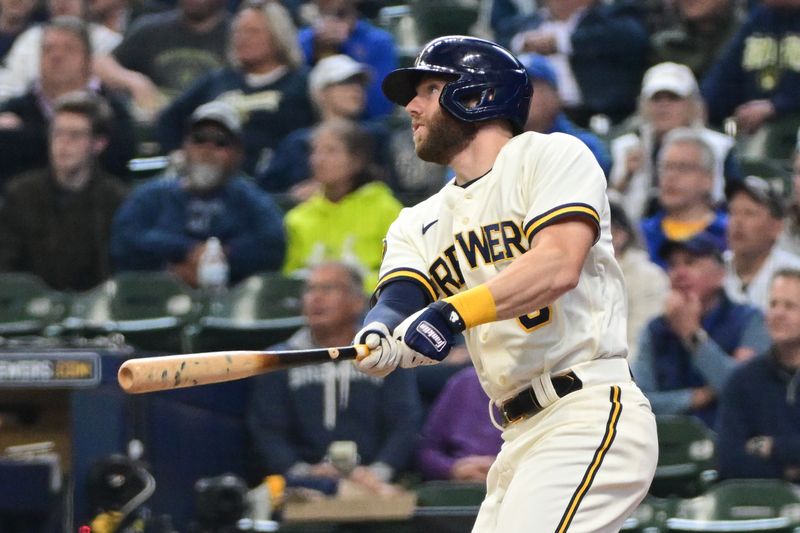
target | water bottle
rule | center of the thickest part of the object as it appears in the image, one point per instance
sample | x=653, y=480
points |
x=212, y=270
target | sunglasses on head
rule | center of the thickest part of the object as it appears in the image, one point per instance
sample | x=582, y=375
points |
x=219, y=139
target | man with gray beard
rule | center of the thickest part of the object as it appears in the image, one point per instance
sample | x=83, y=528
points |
x=166, y=223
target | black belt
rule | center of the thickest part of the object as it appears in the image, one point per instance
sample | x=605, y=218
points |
x=525, y=404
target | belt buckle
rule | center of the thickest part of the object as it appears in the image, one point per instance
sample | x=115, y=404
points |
x=525, y=414
x=507, y=419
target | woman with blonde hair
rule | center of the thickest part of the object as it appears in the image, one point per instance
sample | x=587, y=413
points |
x=266, y=83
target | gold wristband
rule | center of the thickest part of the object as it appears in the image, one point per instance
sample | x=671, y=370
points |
x=476, y=306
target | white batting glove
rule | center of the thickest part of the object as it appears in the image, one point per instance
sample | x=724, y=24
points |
x=384, y=350
x=408, y=357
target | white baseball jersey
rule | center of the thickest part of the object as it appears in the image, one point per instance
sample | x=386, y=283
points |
x=463, y=236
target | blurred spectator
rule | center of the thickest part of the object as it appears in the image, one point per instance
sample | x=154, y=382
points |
x=546, y=114
x=265, y=84
x=113, y=14
x=505, y=15
x=23, y=60
x=349, y=214
x=339, y=30
x=459, y=441
x=15, y=17
x=337, y=85
x=759, y=421
x=757, y=77
x=55, y=222
x=687, y=354
x=699, y=35
x=166, y=222
x=589, y=44
x=431, y=379
x=65, y=58
x=669, y=99
x=647, y=283
x=790, y=238
x=686, y=165
x=755, y=220
x=295, y=415
x=164, y=53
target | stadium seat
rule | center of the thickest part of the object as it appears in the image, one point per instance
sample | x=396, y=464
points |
x=740, y=505
x=258, y=312
x=686, y=457
x=27, y=305
x=450, y=494
x=651, y=515
x=150, y=309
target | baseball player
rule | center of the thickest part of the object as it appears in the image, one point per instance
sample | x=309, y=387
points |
x=516, y=254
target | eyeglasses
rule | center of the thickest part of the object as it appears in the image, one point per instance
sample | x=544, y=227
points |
x=217, y=138
x=325, y=288
x=681, y=167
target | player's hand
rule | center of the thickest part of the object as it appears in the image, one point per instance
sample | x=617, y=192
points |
x=429, y=334
x=384, y=349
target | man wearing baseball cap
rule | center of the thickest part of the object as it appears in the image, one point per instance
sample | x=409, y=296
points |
x=337, y=86
x=669, y=99
x=687, y=354
x=166, y=223
x=755, y=221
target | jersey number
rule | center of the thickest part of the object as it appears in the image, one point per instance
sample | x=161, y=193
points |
x=535, y=320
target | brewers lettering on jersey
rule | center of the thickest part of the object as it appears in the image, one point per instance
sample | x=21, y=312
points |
x=515, y=254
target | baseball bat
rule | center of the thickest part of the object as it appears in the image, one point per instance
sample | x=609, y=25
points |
x=150, y=374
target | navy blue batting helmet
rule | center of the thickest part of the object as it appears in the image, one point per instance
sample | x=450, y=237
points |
x=479, y=70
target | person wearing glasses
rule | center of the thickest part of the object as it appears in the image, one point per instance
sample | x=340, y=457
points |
x=166, y=222
x=669, y=99
x=686, y=173
x=295, y=415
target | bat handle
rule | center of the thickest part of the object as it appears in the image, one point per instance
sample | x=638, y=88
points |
x=362, y=351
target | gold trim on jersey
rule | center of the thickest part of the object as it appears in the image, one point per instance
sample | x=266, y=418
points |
x=599, y=455
x=413, y=275
x=548, y=217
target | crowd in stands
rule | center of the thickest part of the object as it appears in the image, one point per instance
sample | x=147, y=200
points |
x=279, y=144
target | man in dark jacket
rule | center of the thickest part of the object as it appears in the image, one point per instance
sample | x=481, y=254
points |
x=759, y=423
x=167, y=222
x=756, y=80
x=687, y=354
x=590, y=44
x=66, y=61
x=55, y=222
x=295, y=415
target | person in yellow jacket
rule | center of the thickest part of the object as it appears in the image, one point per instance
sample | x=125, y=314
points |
x=347, y=216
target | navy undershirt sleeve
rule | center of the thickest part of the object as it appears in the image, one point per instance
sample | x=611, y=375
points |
x=396, y=301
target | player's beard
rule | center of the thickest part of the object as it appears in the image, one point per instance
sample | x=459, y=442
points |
x=447, y=136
